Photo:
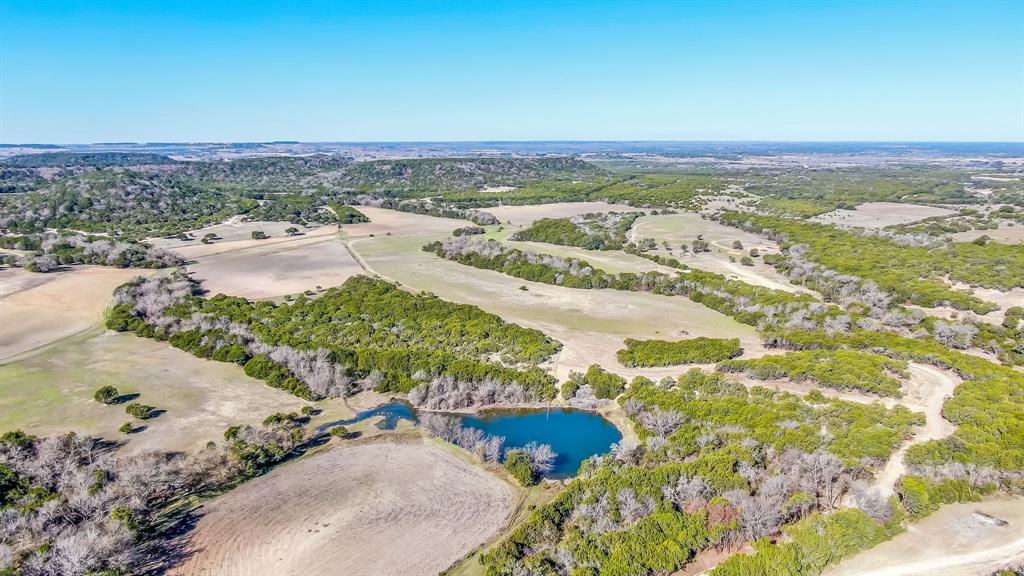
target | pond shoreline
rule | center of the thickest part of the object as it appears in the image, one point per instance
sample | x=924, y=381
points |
x=574, y=434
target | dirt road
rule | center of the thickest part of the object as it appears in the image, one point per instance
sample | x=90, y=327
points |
x=926, y=391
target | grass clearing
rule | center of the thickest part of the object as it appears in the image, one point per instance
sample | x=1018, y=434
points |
x=39, y=309
x=592, y=324
x=51, y=392
x=684, y=228
x=527, y=214
x=880, y=215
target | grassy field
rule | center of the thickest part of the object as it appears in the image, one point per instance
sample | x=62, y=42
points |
x=51, y=391
x=684, y=228
x=592, y=324
x=39, y=309
x=525, y=215
x=880, y=215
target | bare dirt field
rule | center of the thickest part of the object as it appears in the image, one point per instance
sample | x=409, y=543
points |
x=50, y=391
x=391, y=507
x=592, y=324
x=39, y=309
x=880, y=215
x=384, y=222
x=237, y=265
x=277, y=269
x=525, y=215
x=950, y=542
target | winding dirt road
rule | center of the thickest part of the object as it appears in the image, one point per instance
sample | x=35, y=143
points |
x=927, y=390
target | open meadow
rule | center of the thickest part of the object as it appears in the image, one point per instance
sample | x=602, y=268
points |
x=51, y=391
x=591, y=324
x=39, y=309
x=880, y=215
x=723, y=258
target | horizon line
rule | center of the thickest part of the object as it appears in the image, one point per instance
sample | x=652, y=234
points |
x=464, y=141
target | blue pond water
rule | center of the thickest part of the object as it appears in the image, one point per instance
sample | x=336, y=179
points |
x=574, y=434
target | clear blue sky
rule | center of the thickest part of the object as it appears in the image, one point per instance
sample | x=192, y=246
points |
x=75, y=72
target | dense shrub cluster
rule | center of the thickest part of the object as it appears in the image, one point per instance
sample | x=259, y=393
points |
x=129, y=202
x=805, y=193
x=603, y=384
x=601, y=231
x=432, y=175
x=812, y=545
x=298, y=209
x=347, y=214
x=436, y=209
x=839, y=369
x=468, y=231
x=50, y=250
x=644, y=190
x=368, y=333
x=913, y=274
x=646, y=353
x=70, y=506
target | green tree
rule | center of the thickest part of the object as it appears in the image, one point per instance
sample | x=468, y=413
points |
x=140, y=411
x=106, y=395
x=517, y=462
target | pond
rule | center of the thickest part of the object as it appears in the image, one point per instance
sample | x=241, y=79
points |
x=574, y=434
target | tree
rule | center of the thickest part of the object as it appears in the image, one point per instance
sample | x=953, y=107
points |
x=106, y=395
x=754, y=253
x=737, y=245
x=517, y=462
x=292, y=231
x=339, y=432
x=209, y=238
x=259, y=235
x=746, y=261
x=661, y=422
x=126, y=428
x=140, y=411
x=542, y=457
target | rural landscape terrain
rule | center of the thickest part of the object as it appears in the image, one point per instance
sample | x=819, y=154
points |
x=511, y=359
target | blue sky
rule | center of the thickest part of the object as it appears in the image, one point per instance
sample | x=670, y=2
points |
x=73, y=72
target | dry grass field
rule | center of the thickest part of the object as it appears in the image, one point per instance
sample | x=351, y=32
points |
x=592, y=324
x=684, y=228
x=525, y=215
x=396, y=506
x=260, y=272
x=39, y=309
x=50, y=392
x=1004, y=235
x=880, y=215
